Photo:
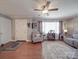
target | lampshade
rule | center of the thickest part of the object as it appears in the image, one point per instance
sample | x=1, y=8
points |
x=65, y=30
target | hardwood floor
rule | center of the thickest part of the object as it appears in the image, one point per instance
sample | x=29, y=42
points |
x=25, y=51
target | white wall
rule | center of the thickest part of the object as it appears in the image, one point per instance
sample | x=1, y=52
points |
x=29, y=30
x=5, y=30
x=71, y=25
x=21, y=29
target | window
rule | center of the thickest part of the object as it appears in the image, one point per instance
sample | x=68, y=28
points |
x=47, y=26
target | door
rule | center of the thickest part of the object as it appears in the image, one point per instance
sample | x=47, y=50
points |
x=21, y=29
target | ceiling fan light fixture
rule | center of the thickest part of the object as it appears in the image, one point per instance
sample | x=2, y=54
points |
x=45, y=11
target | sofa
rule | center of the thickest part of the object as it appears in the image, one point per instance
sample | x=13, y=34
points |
x=72, y=41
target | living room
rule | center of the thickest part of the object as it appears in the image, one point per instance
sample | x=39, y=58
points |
x=39, y=29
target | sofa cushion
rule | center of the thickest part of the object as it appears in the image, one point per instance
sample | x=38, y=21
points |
x=69, y=41
x=76, y=43
x=75, y=36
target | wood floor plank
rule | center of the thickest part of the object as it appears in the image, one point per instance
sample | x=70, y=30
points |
x=25, y=51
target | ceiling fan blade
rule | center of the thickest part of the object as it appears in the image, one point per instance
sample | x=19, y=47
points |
x=37, y=9
x=47, y=4
x=55, y=9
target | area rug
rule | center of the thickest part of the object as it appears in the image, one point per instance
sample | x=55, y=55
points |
x=11, y=46
x=58, y=50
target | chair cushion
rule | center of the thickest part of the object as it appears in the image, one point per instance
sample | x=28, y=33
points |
x=38, y=35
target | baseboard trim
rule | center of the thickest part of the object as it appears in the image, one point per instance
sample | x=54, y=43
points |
x=29, y=41
x=21, y=41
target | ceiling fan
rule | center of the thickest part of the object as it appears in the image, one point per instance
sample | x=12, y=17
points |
x=45, y=8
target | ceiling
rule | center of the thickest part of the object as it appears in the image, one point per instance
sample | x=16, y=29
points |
x=24, y=8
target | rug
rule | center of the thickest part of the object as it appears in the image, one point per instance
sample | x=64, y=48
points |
x=58, y=50
x=11, y=46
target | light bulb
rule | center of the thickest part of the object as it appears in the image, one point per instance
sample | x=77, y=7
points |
x=45, y=11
